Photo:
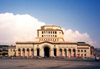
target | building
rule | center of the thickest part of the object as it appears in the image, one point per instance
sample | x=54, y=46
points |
x=3, y=50
x=50, y=43
x=11, y=51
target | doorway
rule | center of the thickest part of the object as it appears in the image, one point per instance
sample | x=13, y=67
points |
x=46, y=51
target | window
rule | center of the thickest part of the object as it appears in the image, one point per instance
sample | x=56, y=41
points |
x=81, y=54
x=84, y=54
x=51, y=32
x=55, y=32
x=42, y=35
x=42, y=32
x=84, y=50
x=81, y=50
x=78, y=50
x=55, y=35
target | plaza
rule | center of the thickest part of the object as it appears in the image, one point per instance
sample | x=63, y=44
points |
x=48, y=63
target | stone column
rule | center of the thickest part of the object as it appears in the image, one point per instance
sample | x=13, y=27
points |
x=41, y=52
x=25, y=51
x=71, y=52
x=51, y=53
x=35, y=52
x=63, y=52
x=76, y=51
x=57, y=52
x=21, y=51
x=16, y=52
x=30, y=53
x=67, y=52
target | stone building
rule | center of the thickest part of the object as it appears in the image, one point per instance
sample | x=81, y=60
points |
x=3, y=50
x=50, y=43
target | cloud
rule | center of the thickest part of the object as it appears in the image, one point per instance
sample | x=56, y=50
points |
x=19, y=27
x=23, y=27
x=76, y=36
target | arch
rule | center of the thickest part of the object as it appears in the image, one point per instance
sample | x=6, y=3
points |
x=23, y=52
x=19, y=49
x=65, y=52
x=69, y=53
x=74, y=52
x=27, y=49
x=38, y=52
x=46, y=51
x=32, y=52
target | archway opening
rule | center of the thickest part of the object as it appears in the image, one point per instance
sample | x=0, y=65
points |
x=46, y=51
x=38, y=51
x=55, y=52
x=65, y=52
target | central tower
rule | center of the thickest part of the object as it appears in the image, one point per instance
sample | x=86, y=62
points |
x=50, y=33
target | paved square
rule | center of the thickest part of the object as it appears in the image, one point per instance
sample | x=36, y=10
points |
x=48, y=64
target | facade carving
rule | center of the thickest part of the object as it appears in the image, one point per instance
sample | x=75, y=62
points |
x=50, y=43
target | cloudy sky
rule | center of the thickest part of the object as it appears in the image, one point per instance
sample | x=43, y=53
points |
x=79, y=19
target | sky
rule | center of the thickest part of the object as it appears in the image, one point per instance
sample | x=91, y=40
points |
x=79, y=19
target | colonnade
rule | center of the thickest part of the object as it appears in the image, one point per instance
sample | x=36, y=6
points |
x=55, y=52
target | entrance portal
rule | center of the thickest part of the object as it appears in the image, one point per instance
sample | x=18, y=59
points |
x=46, y=51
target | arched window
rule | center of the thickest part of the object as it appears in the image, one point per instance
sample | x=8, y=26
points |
x=55, y=32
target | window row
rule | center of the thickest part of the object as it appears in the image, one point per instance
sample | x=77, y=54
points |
x=81, y=50
x=48, y=39
x=49, y=35
x=82, y=55
x=49, y=32
x=24, y=49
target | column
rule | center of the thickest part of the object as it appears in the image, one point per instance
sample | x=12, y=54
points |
x=63, y=52
x=35, y=52
x=30, y=53
x=41, y=52
x=57, y=52
x=67, y=52
x=71, y=52
x=51, y=53
x=76, y=52
x=21, y=51
x=25, y=51
x=16, y=52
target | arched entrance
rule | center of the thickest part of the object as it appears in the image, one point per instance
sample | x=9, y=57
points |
x=55, y=51
x=46, y=51
x=38, y=51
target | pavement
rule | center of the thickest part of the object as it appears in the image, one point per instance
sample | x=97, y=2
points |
x=48, y=63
